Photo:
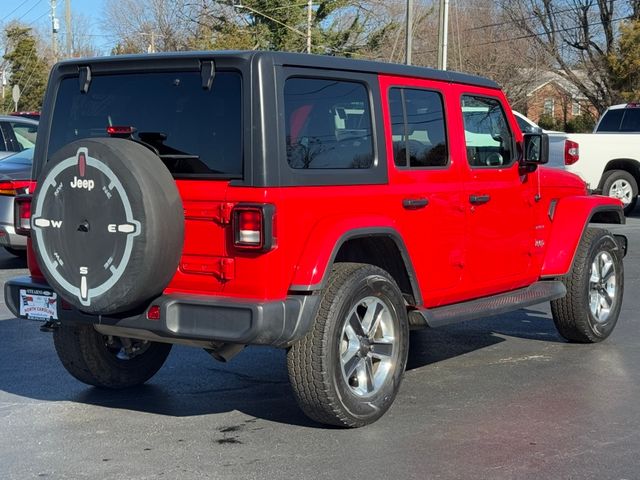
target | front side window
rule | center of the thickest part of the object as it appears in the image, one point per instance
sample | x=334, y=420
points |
x=488, y=137
x=418, y=128
x=328, y=124
x=193, y=130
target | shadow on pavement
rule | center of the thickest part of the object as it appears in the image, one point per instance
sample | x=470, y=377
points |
x=11, y=262
x=191, y=383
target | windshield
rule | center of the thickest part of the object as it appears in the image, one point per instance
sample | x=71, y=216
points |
x=193, y=130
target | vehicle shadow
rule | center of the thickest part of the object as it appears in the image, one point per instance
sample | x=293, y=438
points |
x=435, y=345
x=11, y=262
x=256, y=383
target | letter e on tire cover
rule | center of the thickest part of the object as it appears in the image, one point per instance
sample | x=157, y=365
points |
x=107, y=224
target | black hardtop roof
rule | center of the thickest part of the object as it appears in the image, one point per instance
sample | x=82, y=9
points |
x=295, y=60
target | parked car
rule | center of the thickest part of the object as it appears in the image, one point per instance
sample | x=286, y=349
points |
x=15, y=179
x=319, y=204
x=31, y=115
x=561, y=151
x=610, y=157
x=16, y=134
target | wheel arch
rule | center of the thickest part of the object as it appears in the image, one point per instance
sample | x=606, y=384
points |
x=627, y=164
x=571, y=217
x=381, y=246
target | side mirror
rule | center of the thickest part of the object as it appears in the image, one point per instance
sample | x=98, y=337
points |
x=536, y=148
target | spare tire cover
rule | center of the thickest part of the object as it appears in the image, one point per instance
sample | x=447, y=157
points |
x=107, y=224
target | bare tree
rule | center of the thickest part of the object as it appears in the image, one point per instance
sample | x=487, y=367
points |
x=160, y=25
x=578, y=35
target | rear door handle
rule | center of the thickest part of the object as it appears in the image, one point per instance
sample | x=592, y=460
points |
x=479, y=199
x=414, y=203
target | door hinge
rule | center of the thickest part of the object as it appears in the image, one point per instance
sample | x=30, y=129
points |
x=224, y=217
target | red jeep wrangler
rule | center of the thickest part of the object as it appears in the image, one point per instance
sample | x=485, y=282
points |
x=318, y=204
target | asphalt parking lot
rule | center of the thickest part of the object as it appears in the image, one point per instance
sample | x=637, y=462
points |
x=499, y=398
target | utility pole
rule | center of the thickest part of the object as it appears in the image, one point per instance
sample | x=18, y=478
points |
x=67, y=21
x=55, y=26
x=409, y=32
x=4, y=81
x=443, y=33
x=309, y=14
x=152, y=47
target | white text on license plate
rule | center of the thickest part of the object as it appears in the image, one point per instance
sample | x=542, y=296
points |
x=38, y=304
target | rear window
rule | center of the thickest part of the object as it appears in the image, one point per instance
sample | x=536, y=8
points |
x=328, y=124
x=620, y=120
x=193, y=130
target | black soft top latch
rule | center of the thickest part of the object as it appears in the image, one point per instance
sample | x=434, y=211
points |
x=84, y=79
x=208, y=73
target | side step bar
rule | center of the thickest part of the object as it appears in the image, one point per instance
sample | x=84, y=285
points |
x=484, y=307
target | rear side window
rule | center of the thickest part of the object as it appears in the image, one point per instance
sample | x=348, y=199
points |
x=328, y=124
x=487, y=134
x=25, y=134
x=631, y=120
x=418, y=128
x=193, y=130
x=611, y=121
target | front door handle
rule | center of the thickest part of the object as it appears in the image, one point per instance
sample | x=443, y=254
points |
x=479, y=199
x=414, y=203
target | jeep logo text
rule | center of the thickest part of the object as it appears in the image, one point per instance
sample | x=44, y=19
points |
x=86, y=184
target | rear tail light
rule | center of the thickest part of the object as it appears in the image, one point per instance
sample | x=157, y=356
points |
x=22, y=215
x=120, y=131
x=15, y=187
x=253, y=227
x=571, y=152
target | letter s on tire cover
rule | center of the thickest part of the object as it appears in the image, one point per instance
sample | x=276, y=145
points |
x=107, y=224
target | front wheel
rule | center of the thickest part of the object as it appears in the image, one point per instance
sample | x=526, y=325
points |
x=595, y=284
x=107, y=361
x=346, y=371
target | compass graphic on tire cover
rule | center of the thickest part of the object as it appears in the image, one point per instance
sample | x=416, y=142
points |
x=84, y=225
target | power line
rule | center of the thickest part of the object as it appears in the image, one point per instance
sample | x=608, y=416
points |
x=14, y=10
x=532, y=35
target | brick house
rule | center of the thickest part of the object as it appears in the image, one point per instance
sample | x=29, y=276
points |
x=551, y=95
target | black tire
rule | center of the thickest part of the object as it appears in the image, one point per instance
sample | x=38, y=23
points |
x=573, y=314
x=108, y=224
x=315, y=365
x=86, y=355
x=18, y=252
x=611, y=177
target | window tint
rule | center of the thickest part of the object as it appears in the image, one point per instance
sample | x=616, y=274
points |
x=525, y=127
x=611, y=121
x=328, y=124
x=25, y=134
x=417, y=127
x=488, y=137
x=3, y=145
x=631, y=120
x=194, y=131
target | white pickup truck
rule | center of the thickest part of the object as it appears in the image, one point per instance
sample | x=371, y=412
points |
x=609, y=160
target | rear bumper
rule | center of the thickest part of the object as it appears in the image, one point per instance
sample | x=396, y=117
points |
x=196, y=318
x=9, y=237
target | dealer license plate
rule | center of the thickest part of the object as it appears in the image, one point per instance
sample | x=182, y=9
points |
x=38, y=304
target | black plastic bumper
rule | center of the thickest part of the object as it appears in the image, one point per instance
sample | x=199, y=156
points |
x=191, y=317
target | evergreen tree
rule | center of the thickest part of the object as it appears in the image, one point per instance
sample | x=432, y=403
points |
x=26, y=69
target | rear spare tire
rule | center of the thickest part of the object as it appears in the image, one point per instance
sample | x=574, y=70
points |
x=107, y=224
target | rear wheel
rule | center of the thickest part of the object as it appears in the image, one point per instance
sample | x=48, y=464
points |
x=622, y=185
x=347, y=370
x=595, y=284
x=107, y=361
